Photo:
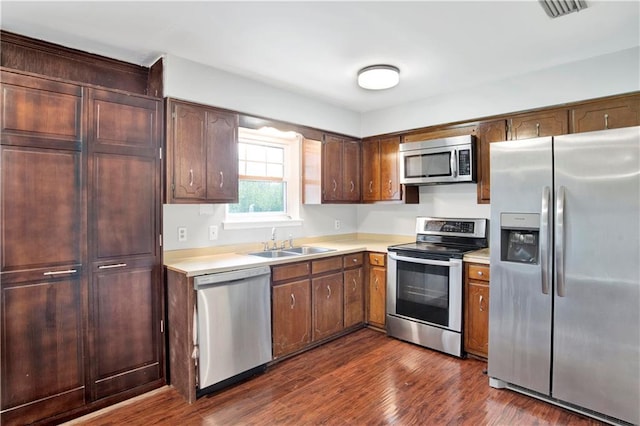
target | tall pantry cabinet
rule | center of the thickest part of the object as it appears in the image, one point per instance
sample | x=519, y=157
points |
x=80, y=284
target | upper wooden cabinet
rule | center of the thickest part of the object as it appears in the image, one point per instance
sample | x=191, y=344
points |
x=380, y=169
x=202, y=154
x=488, y=132
x=340, y=170
x=538, y=124
x=606, y=114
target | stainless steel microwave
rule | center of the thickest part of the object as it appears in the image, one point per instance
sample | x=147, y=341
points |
x=438, y=161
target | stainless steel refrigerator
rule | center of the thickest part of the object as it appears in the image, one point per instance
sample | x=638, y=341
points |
x=564, y=314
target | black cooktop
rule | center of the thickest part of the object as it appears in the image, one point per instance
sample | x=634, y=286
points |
x=433, y=249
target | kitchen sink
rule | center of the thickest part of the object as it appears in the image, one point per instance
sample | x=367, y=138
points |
x=308, y=250
x=272, y=254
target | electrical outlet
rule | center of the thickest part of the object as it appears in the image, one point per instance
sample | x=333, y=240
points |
x=182, y=234
x=213, y=232
x=337, y=224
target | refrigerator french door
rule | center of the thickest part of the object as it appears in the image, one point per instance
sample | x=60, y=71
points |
x=564, y=316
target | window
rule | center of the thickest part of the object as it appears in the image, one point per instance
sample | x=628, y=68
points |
x=269, y=179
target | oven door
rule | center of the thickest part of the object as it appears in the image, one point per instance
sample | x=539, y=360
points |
x=425, y=290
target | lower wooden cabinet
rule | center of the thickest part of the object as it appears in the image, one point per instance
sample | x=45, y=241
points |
x=476, y=316
x=327, y=301
x=315, y=300
x=291, y=324
x=353, y=297
x=377, y=290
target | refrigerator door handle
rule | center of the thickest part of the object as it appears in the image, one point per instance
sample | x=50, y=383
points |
x=560, y=287
x=546, y=238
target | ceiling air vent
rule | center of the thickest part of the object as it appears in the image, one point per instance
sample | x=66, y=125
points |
x=555, y=8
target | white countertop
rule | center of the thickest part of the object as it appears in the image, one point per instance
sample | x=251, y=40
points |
x=478, y=256
x=194, y=262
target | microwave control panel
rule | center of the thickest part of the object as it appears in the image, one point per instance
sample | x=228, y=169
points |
x=464, y=162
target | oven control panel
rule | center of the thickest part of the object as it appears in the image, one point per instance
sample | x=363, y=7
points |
x=451, y=227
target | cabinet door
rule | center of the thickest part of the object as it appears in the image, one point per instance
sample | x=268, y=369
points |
x=125, y=295
x=222, y=156
x=377, y=296
x=389, y=169
x=353, y=297
x=610, y=114
x=477, y=318
x=332, y=169
x=291, y=317
x=35, y=111
x=42, y=352
x=545, y=123
x=351, y=171
x=126, y=342
x=370, y=170
x=42, y=205
x=188, y=148
x=327, y=306
x=491, y=131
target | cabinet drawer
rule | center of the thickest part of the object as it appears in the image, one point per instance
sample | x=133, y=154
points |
x=352, y=260
x=325, y=265
x=478, y=272
x=377, y=259
x=287, y=272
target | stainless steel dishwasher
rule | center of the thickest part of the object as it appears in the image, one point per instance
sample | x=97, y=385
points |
x=232, y=326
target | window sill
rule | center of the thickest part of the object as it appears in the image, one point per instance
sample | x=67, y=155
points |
x=260, y=223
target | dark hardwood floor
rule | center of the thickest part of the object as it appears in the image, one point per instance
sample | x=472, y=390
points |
x=365, y=378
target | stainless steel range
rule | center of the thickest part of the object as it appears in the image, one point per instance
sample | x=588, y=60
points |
x=424, y=282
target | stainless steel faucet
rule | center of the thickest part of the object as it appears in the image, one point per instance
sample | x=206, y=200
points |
x=274, y=245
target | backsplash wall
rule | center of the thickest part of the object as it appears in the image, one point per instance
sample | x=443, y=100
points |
x=445, y=200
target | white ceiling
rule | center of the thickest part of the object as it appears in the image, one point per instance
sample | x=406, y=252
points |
x=316, y=48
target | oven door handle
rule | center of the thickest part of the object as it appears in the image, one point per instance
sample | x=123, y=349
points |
x=423, y=261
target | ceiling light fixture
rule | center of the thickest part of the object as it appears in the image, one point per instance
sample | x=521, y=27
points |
x=378, y=77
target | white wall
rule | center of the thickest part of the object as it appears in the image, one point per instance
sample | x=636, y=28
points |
x=605, y=75
x=457, y=200
x=188, y=80
x=317, y=221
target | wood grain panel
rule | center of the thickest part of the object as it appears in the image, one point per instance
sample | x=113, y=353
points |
x=490, y=131
x=124, y=120
x=353, y=297
x=124, y=206
x=289, y=271
x=328, y=264
x=370, y=170
x=41, y=208
x=606, y=114
x=189, y=157
x=126, y=329
x=41, y=318
x=328, y=302
x=390, y=169
x=291, y=317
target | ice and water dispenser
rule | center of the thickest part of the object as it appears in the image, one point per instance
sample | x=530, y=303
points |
x=519, y=233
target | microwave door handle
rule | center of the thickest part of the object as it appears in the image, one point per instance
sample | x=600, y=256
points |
x=454, y=163
x=420, y=260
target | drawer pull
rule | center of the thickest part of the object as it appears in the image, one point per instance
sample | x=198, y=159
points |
x=68, y=271
x=480, y=273
x=328, y=292
x=293, y=301
x=606, y=121
x=355, y=260
x=115, y=265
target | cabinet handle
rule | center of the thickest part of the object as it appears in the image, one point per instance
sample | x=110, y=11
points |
x=68, y=271
x=190, y=177
x=390, y=188
x=480, y=273
x=115, y=265
x=606, y=121
x=355, y=260
x=370, y=186
x=328, y=292
x=293, y=301
x=352, y=186
x=537, y=129
x=335, y=185
x=221, y=179
x=376, y=281
x=354, y=284
x=481, y=303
